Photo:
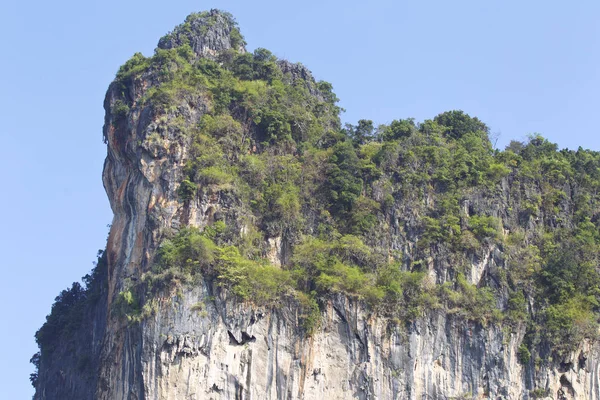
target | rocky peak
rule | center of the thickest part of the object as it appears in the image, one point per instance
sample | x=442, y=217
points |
x=207, y=33
x=296, y=72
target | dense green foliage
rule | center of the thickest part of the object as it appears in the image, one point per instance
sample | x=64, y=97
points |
x=192, y=256
x=67, y=310
x=68, y=313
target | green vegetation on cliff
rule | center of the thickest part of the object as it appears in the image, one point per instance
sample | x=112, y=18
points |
x=68, y=314
x=271, y=141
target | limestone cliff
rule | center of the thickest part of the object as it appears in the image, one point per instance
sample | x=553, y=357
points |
x=202, y=339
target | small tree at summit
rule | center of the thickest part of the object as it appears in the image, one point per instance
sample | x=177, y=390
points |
x=459, y=123
x=361, y=133
x=399, y=129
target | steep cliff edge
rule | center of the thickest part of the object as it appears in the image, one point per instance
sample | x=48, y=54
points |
x=260, y=250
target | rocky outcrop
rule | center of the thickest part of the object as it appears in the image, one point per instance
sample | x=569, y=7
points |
x=208, y=34
x=202, y=343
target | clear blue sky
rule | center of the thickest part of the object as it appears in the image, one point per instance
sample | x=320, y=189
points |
x=520, y=66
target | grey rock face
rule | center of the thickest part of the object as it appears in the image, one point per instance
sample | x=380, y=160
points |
x=229, y=350
x=207, y=33
x=295, y=71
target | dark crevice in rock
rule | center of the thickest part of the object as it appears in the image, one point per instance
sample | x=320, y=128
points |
x=340, y=314
x=316, y=373
x=582, y=361
x=566, y=388
x=565, y=366
x=245, y=339
x=360, y=340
